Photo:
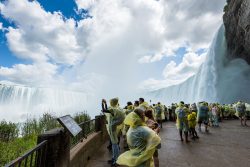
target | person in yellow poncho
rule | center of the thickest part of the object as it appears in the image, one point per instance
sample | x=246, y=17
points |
x=181, y=121
x=192, y=123
x=159, y=111
x=115, y=117
x=128, y=109
x=142, y=142
x=241, y=113
x=143, y=105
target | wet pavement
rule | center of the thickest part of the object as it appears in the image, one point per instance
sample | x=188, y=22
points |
x=226, y=146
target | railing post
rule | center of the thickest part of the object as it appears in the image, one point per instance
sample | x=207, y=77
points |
x=58, y=148
x=98, y=123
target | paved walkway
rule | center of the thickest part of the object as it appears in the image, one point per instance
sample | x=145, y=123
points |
x=226, y=146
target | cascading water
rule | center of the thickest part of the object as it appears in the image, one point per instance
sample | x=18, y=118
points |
x=218, y=79
x=18, y=102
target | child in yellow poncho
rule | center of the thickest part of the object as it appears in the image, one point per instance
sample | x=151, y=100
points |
x=192, y=124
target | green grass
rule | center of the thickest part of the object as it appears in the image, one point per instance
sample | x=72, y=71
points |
x=17, y=138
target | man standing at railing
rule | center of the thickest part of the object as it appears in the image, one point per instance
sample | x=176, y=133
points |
x=114, y=117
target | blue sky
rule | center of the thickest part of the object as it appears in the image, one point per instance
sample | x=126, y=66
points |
x=67, y=7
x=52, y=45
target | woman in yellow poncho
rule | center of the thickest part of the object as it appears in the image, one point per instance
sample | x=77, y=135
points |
x=142, y=142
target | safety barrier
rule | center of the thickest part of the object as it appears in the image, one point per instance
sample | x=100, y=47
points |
x=33, y=158
x=88, y=127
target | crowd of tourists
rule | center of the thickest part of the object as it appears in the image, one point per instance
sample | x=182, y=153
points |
x=139, y=125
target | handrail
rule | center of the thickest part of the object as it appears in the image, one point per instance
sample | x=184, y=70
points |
x=88, y=127
x=39, y=151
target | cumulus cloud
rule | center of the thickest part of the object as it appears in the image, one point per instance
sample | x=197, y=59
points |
x=109, y=45
x=35, y=74
x=41, y=35
x=85, y=4
x=175, y=74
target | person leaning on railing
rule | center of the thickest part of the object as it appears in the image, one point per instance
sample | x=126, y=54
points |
x=114, y=117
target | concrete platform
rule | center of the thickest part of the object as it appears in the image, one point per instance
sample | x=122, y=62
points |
x=226, y=146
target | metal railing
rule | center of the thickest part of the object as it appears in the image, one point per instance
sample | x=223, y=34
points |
x=33, y=158
x=88, y=127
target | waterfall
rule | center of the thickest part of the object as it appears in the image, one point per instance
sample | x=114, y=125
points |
x=218, y=79
x=17, y=102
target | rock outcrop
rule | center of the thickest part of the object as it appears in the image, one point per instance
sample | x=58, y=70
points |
x=237, y=28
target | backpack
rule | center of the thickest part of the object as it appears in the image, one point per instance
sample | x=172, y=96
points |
x=181, y=113
x=158, y=110
x=240, y=108
x=203, y=110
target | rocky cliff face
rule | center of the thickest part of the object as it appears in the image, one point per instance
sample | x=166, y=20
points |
x=237, y=28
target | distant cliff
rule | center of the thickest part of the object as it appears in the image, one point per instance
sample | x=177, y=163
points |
x=237, y=28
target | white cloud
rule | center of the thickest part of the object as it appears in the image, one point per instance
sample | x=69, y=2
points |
x=120, y=33
x=85, y=4
x=175, y=74
x=35, y=74
x=41, y=35
x=1, y=26
x=188, y=67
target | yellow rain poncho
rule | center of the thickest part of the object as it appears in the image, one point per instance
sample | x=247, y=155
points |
x=142, y=142
x=144, y=106
x=159, y=112
x=240, y=109
x=182, y=114
x=192, y=120
x=114, y=120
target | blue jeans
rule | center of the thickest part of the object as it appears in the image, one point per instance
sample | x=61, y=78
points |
x=115, y=152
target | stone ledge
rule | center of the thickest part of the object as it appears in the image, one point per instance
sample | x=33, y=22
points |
x=83, y=151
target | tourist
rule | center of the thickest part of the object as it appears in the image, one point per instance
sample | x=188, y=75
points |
x=226, y=112
x=173, y=115
x=136, y=104
x=143, y=105
x=193, y=108
x=182, y=122
x=215, y=115
x=159, y=111
x=192, y=124
x=128, y=110
x=241, y=113
x=151, y=123
x=202, y=116
x=142, y=142
x=115, y=117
